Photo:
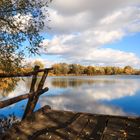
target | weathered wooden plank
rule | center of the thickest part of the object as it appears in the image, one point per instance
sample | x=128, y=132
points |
x=42, y=81
x=133, y=128
x=73, y=130
x=25, y=74
x=88, y=128
x=32, y=89
x=55, y=129
x=33, y=100
x=112, y=137
x=99, y=128
x=11, y=101
x=34, y=79
x=116, y=128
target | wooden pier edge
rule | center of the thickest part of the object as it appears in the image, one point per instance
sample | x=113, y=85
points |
x=46, y=124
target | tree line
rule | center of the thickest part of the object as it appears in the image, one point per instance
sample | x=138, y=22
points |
x=77, y=69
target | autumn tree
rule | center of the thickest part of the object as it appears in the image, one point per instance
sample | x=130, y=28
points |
x=128, y=70
x=56, y=69
x=64, y=68
x=20, y=24
x=89, y=70
x=38, y=63
x=76, y=69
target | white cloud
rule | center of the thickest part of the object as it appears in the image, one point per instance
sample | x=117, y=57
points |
x=87, y=52
x=81, y=28
x=47, y=63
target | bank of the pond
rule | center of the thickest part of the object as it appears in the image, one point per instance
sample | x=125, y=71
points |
x=59, y=125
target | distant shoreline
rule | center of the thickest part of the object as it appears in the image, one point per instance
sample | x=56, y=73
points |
x=52, y=75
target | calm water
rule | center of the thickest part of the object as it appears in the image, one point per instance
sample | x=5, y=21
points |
x=115, y=95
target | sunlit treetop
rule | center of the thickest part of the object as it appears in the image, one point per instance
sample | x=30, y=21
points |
x=20, y=24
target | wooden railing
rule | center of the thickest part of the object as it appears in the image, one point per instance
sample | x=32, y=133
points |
x=33, y=94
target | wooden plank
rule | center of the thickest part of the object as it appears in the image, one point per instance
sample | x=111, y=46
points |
x=133, y=128
x=88, y=128
x=32, y=89
x=116, y=128
x=74, y=129
x=33, y=100
x=25, y=74
x=34, y=79
x=111, y=137
x=11, y=101
x=59, y=129
x=42, y=81
x=99, y=128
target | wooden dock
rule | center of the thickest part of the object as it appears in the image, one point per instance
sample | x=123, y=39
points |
x=47, y=124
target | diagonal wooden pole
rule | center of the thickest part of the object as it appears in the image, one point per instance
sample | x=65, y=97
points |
x=32, y=89
x=36, y=95
x=33, y=101
x=8, y=102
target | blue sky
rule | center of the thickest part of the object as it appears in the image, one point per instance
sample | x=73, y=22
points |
x=92, y=33
x=130, y=43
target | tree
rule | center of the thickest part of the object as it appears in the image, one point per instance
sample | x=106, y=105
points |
x=89, y=70
x=20, y=23
x=109, y=70
x=76, y=69
x=38, y=63
x=56, y=69
x=128, y=70
x=64, y=68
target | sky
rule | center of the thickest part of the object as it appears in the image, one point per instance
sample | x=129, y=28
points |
x=92, y=32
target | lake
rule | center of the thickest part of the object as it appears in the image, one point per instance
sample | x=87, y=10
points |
x=113, y=95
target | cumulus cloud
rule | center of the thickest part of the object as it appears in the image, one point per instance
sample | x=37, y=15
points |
x=81, y=28
x=44, y=61
x=73, y=49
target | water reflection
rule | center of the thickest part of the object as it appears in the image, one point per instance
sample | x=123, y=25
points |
x=99, y=89
x=79, y=102
x=7, y=85
x=91, y=94
x=70, y=82
x=86, y=94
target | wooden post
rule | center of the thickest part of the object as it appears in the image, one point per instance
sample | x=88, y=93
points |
x=32, y=89
x=33, y=100
x=36, y=95
x=33, y=95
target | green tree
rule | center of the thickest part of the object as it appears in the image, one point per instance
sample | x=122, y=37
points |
x=20, y=21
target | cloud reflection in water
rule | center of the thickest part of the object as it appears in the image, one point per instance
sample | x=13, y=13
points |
x=85, y=94
x=88, y=94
